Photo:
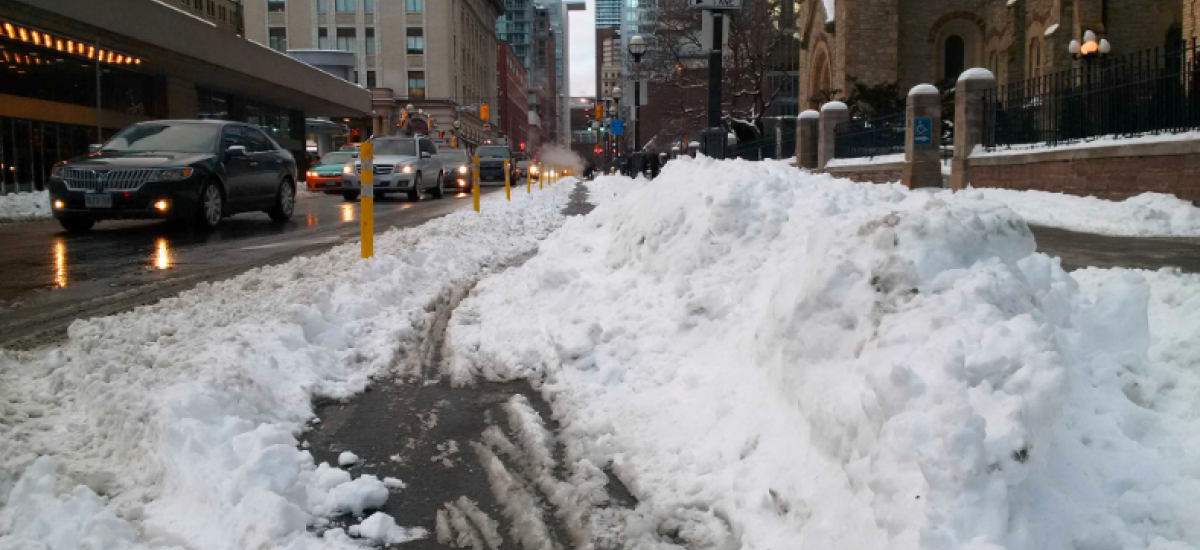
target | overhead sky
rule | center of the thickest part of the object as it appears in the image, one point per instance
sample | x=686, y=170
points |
x=583, y=51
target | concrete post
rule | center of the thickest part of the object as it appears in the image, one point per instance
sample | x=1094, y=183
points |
x=808, y=135
x=968, y=121
x=832, y=114
x=922, y=137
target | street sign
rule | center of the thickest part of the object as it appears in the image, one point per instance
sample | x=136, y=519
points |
x=923, y=131
x=717, y=4
x=618, y=127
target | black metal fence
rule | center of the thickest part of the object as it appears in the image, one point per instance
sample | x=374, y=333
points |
x=870, y=138
x=765, y=148
x=1151, y=92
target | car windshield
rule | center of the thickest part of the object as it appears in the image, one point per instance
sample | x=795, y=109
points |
x=395, y=147
x=171, y=138
x=453, y=156
x=492, y=151
x=339, y=157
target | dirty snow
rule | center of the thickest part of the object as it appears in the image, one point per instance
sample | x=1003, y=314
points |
x=176, y=425
x=1145, y=215
x=24, y=206
x=768, y=358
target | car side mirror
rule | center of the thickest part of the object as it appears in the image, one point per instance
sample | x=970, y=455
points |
x=95, y=147
x=235, y=151
x=426, y=155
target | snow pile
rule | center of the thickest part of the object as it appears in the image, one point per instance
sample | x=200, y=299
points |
x=1147, y=215
x=175, y=425
x=776, y=359
x=25, y=206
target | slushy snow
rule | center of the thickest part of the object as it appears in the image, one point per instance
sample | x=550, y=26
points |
x=1145, y=215
x=176, y=425
x=769, y=358
x=25, y=206
x=347, y=458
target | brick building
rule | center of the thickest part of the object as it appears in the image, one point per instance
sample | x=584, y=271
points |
x=932, y=41
x=514, y=101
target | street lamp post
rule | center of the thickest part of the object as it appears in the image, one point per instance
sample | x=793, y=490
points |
x=1088, y=52
x=617, y=94
x=637, y=48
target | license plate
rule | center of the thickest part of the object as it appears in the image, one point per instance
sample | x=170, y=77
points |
x=97, y=200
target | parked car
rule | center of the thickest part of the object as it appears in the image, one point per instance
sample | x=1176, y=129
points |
x=457, y=164
x=521, y=170
x=326, y=174
x=195, y=170
x=402, y=165
x=491, y=163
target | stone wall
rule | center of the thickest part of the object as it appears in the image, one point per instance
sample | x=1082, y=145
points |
x=869, y=173
x=1113, y=173
x=1191, y=20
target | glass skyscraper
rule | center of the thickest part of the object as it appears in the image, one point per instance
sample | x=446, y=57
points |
x=608, y=14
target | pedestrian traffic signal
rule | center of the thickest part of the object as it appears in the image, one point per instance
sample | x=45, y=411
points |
x=485, y=112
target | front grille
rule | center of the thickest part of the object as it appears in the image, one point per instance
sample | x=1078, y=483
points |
x=78, y=179
x=380, y=169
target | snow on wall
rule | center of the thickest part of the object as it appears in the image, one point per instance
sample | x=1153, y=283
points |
x=176, y=424
x=774, y=359
x=1146, y=215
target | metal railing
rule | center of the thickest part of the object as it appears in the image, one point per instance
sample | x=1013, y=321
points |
x=765, y=148
x=870, y=138
x=1145, y=93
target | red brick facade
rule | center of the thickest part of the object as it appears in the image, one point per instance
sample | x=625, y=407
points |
x=1112, y=178
x=514, y=98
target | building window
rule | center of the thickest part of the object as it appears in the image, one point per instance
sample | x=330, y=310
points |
x=370, y=79
x=415, y=5
x=345, y=5
x=212, y=10
x=199, y=4
x=346, y=40
x=369, y=6
x=274, y=5
x=370, y=39
x=416, y=41
x=416, y=85
x=322, y=39
x=222, y=13
x=277, y=38
x=955, y=57
x=322, y=6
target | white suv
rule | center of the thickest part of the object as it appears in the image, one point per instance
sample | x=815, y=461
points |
x=402, y=165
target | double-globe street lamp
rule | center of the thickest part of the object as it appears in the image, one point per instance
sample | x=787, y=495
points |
x=617, y=94
x=1089, y=51
x=637, y=48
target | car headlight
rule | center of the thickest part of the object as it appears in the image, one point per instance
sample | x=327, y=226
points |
x=462, y=169
x=311, y=174
x=406, y=169
x=533, y=170
x=348, y=169
x=57, y=170
x=174, y=174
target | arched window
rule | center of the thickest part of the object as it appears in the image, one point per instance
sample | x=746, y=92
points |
x=1035, y=58
x=955, y=56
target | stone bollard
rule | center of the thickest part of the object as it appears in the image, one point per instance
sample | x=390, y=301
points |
x=968, y=122
x=922, y=137
x=808, y=135
x=832, y=114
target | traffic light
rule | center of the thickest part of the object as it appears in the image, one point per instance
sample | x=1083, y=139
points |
x=485, y=112
x=599, y=111
x=522, y=145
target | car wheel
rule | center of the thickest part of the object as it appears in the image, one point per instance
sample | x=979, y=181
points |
x=439, y=191
x=212, y=207
x=285, y=203
x=350, y=196
x=415, y=194
x=77, y=224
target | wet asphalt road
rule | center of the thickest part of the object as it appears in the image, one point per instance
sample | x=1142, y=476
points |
x=49, y=277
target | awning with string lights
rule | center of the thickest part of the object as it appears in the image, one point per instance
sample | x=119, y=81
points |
x=54, y=42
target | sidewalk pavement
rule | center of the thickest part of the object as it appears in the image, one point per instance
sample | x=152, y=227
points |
x=1080, y=250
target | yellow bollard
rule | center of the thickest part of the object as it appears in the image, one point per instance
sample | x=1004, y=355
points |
x=507, y=188
x=529, y=180
x=541, y=177
x=366, y=208
x=475, y=188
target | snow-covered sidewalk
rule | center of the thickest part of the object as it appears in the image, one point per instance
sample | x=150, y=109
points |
x=1146, y=215
x=176, y=425
x=772, y=359
x=24, y=206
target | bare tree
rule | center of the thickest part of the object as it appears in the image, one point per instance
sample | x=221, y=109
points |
x=759, y=43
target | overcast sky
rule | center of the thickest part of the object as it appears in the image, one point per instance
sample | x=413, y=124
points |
x=583, y=51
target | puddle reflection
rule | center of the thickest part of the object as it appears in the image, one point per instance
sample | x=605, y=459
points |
x=347, y=212
x=60, y=263
x=162, y=254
